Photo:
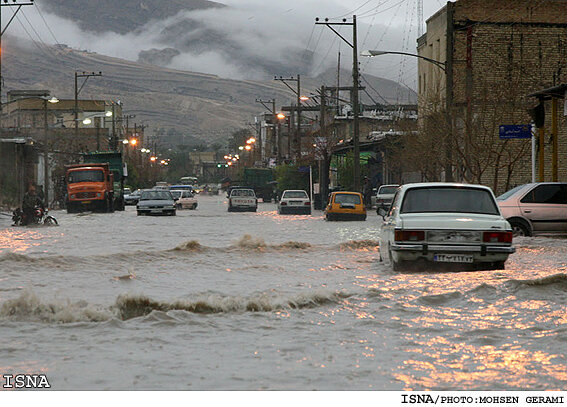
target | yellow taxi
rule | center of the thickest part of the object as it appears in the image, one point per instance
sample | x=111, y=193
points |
x=345, y=205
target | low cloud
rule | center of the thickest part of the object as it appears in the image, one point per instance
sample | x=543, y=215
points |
x=249, y=39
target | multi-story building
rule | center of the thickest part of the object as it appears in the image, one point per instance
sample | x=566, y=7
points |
x=29, y=112
x=490, y=56
x=41, y=128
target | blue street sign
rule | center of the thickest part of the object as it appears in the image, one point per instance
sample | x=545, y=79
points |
x=509, y=131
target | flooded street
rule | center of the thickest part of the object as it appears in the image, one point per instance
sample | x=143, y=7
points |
x=211, y=300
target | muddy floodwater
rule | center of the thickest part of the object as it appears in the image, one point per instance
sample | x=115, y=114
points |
x=211, y=300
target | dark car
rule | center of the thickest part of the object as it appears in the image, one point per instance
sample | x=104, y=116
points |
x=156, y=202
x=132, y=198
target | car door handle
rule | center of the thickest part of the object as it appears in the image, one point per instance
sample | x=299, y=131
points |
x=527, y=211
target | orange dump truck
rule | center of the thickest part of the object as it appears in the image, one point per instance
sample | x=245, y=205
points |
x=90, y=187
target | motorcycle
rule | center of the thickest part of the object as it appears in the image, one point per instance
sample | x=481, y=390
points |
x=40, y=217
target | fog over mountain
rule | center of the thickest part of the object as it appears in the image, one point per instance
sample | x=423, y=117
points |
x=241, y=39
x=194, y=65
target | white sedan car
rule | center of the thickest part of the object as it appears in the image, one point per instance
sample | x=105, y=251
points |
x=445, y=223
x=242, y=199
x=186, y=200
x=294, y=202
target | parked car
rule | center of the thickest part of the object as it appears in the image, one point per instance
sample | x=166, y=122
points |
x=539, y=207
x=186, y=200
x=241, y=199
x=294, y=202
x=445, y=223
x=156, y=202
x=132, y=198
x=345, y=205
x=384, y=196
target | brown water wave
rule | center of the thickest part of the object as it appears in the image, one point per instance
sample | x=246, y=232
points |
x=247, y=244
x=558, y=281
x=129, y=307
x=28, y=307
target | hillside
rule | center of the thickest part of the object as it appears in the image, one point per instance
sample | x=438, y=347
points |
x=201, y=105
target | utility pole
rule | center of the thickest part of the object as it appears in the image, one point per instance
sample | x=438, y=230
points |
x=355, y=86
x=275, y=121
x=324, y=166
x=2, y=30
x=114, y=141
x=45, y=155
x=85, y=75
x=297, y=138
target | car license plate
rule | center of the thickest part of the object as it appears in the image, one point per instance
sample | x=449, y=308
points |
x=453, y=258
x=295, y=203
x=155, y=211
x=85, y=202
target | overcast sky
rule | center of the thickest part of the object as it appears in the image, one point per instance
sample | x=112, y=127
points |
x=265, y=28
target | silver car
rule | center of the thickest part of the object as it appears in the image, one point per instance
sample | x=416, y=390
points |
x=156, y=202
x=242, y=199
x=384, y=196
x=539, y=207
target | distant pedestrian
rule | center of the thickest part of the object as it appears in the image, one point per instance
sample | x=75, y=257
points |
x=367, y=192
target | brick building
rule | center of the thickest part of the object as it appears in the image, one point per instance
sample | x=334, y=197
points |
x=494, y=54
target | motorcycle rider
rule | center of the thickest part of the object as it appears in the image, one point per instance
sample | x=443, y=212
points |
x=31, y=201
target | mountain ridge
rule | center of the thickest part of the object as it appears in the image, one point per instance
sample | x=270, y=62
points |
x=203, y=105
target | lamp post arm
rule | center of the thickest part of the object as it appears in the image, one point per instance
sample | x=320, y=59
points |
x=439, y=64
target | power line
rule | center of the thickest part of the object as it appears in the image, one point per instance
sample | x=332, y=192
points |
x=353, y=11
x=33, y=29
x=39, y=47
x=375, y=91
x=382, y=11
x=377, y=46
x=47, y=25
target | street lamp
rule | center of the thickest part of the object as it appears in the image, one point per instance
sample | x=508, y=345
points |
x=448, y=101
x=374, y=53
x=51, y=100
x=88, y=120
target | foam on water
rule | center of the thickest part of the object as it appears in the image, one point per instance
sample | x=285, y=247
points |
x=28, y=307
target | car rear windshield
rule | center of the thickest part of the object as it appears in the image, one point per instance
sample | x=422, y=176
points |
x=86, y=176
x=387, y=190
x=294, y=194
x=443, y=199
x=347, y=199
x=242, y=192
x=156, y=195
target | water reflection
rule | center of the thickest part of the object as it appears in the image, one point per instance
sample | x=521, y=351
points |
x=437, y=363
x=19, y=240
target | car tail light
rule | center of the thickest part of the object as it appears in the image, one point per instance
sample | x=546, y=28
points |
x=409, y=235
x=283, y=203
x=497, y=237
x=307, y=203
